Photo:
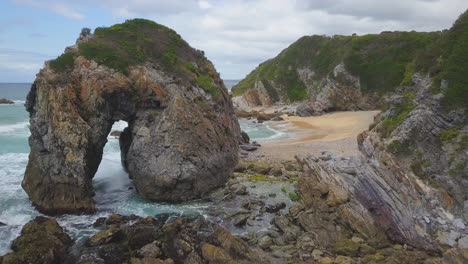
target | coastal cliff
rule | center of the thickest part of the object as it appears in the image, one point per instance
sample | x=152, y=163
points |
x=182, y=136
x=343, y=73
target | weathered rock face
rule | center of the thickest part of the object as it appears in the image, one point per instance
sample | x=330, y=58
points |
x=403, y=186
x=338, y=91
x=181, y=142
x=41, y=241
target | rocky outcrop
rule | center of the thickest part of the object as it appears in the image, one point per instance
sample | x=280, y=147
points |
x=41, y=241
x=381, y=194
x=132, y=239
x=163, y=239
x=6, y=101
x=340, y=91
x=182, y=138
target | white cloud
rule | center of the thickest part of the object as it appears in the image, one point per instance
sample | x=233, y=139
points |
x=17, y=65
x=60, y=8
x=204, y=4
x=237, y=35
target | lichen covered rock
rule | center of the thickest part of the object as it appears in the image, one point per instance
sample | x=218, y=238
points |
x=41, y=241
x=182, y=138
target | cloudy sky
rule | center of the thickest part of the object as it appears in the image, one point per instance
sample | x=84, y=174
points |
x=236, y=35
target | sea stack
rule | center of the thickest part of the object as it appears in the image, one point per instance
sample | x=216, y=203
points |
x=182, y=136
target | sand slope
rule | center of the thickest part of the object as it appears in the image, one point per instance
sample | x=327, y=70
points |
x=334, y=132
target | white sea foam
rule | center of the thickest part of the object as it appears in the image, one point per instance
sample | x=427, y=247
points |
x=17, y=128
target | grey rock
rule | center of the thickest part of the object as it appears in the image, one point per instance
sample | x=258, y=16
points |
x=240, y=218
x=273, y=208
x=463, y=242
x=265, y=242
x=248, y=147
x=458, y=223
x=151, y=250
x=6, y=101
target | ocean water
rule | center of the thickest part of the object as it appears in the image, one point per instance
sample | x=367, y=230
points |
x=114, y=190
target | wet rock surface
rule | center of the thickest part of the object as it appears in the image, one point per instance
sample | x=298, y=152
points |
x=181, y=143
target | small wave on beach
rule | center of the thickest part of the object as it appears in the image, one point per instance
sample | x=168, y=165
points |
x=264, y=131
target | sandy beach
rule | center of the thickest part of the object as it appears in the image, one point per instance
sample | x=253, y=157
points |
x=334, y=132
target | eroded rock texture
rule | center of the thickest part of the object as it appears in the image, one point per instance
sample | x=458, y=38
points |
x=182, y=138
x=403, y=185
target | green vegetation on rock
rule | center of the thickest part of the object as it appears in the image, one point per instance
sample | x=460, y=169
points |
x=205, y=82
x=455, y=64
x=449, y=134
x=381, y=61
x=139, y=41
x=294, y=196
x=131, y=43
x=63, y=62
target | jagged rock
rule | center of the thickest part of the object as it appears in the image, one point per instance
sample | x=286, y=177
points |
x=317, y=254
x=448, y=238
x=273, y=208
x=371, y=205
x=6, y=101
x=343, y=260
x=289, y=230
x=463, y=242
x=245, y=138
x=265, y=242
x=326, y=260
x=347, y=247
x=214, y=254
x=181, y=142
x=458, y=223
x=278, y=118
x=106, y=236
x=42, y=240
x=151, y=250
x=336, y=196
x=240, y=218
x=166, y=239
x=248, y=147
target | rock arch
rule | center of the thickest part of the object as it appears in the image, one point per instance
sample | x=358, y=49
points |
x=182, y=140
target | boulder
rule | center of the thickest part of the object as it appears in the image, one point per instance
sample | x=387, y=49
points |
x=42, y=240
x=239, y=218
x=182, y=139
x=164, y=239
x=249, y=147
x=245, y=139
x=112, y=234
x=151, y=250
x=273, y=208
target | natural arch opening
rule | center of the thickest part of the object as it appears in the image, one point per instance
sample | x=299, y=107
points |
x=111, y=182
